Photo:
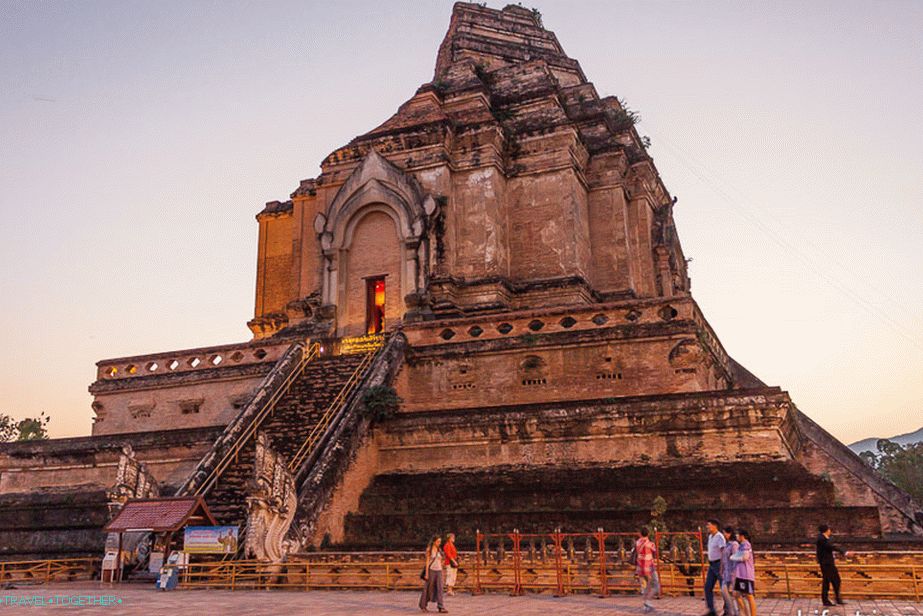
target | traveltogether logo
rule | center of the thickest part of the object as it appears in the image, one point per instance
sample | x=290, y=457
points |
x=59, y=600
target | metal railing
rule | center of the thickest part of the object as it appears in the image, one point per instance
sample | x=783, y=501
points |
x=320, y=428
x=567, y=562
x=785, y=580
x=45, y=571
x=249, y=432
x=551, y=571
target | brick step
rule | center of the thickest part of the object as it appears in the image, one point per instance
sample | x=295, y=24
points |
x=289, y=425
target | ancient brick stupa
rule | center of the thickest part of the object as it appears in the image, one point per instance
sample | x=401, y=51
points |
x=502, y=252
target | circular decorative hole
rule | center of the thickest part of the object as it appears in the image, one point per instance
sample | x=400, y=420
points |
x=567, y=322
x=131, y=369
x=152, y=366
x=173, y=365
x=600, y=319
x=447, y=334
x=215, y=360
x=260, y=353
x=536, y=325
x=475, y=331
x=111, y=371
x=632, y=315
x=194, y=362
x=667, y=313
x=504, y=328
x=237, y=356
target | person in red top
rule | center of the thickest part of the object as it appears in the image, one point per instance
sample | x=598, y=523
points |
x=451, y=560
x=646, y=555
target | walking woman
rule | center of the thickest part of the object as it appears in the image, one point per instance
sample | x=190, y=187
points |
x=727, y=572
x=744, y=575
x=646, y=555
x=432, y=576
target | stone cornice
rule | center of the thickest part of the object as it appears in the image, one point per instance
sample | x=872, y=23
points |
x=635, y=407
x=140, y=441
x=159, y=381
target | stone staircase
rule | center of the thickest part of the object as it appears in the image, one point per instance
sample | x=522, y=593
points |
x=288, y=426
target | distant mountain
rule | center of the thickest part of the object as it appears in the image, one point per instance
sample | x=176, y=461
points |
x=871, y=444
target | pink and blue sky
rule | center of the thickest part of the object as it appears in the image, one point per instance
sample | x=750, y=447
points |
x=138, y=140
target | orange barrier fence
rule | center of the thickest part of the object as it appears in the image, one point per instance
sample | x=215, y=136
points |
x=588, y=562
x=786, y=580
x=44, y=571
x=557, y=563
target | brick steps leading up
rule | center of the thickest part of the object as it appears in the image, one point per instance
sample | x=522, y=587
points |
x=290, y=423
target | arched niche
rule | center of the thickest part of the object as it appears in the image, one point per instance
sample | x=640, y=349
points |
x=378, y=215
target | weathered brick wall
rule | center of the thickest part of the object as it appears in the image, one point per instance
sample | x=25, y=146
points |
x=694, y=429
x=53, y=523
x=611, y=350
x=856, y=482
x=274, y=280
x=477, y=239
x=375, y=251
x=217, y=403
x=581, y=465
x=191, y=388
x=92, y=461
x=549, y=230
x=609, y=240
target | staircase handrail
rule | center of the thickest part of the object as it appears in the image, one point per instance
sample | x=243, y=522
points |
x=318, y=475
x=333, y=411
x=270, y=390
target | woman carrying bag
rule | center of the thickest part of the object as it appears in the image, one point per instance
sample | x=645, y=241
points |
x=432, y=576
x=744, y=575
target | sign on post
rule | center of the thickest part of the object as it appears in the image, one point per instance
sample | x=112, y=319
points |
x=210, y=540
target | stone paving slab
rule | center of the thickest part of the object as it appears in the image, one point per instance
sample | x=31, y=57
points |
x=144, y=599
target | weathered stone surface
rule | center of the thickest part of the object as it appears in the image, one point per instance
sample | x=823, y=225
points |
x=182, y=389
x=170, y=455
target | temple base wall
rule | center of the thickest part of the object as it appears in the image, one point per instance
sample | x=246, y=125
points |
x=745, y=456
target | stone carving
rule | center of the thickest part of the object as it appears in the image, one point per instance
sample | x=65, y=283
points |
x=132, y=480
x=686, y=354
x=141, y=409
x=271, y=504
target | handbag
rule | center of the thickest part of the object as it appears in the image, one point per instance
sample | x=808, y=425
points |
x=423, y=573
x=633, y=557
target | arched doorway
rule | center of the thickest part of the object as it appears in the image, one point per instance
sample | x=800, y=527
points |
x=373, y=236
x=372, y=297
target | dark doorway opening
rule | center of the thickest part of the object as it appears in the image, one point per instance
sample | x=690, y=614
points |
x=375, y=305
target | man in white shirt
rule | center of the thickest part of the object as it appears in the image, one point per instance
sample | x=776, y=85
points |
x=716, y=543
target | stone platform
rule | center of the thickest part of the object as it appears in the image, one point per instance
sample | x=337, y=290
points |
x=136, y=599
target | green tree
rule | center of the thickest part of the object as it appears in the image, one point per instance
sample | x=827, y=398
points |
x=34, y=428
x=28, y=429
x=902, y=465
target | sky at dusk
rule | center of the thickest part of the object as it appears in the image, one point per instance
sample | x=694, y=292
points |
x=139, y=139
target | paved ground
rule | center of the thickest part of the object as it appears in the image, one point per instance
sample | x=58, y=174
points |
x=136, y=599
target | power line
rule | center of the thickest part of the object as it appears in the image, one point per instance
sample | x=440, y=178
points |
x=740, y=207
